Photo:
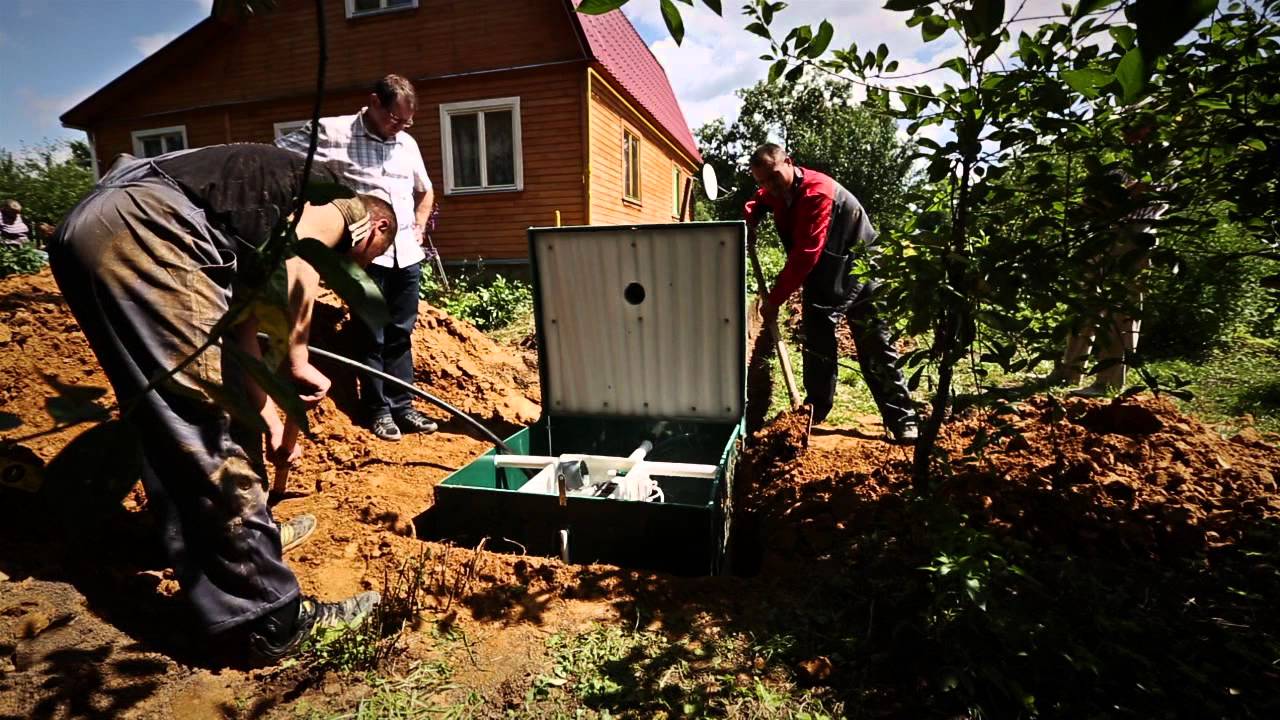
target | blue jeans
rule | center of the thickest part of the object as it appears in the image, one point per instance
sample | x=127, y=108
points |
x=390, y=348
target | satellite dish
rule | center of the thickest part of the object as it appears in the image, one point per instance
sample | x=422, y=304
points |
x=709, y=184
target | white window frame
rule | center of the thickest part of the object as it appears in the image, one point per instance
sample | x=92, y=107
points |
x=638, y=197
x=448, y=110
x=139, y=135
x=677, y=190
x=353, y=13
x=280, y=129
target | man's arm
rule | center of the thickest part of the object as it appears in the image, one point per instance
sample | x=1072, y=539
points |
x=424, y=196
x=813, y=222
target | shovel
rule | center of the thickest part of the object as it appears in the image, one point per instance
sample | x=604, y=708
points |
x=281, y=481
x=784, y=359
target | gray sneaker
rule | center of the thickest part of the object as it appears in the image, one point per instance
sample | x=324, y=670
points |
x=295, y=531
x=385, y=428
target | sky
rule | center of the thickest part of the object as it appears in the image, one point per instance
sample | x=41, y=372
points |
x=54, y=53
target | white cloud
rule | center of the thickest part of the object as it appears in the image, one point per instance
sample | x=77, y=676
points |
x=206, y=5
x=147, y=44
x=718, y=56
x=43, y=111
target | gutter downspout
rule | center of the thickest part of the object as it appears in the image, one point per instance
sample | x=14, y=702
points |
x=587, y=150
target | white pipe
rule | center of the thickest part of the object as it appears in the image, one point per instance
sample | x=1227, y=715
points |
x=603, y=463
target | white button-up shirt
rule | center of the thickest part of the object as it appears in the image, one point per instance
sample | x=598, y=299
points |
x=369, y=163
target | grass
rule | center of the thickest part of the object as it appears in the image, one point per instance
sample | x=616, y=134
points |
x=611, y=671
x=1242, y=379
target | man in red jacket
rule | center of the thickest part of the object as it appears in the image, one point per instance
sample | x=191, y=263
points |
x=824, y=228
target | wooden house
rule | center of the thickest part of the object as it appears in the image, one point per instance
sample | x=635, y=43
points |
x=527, y=110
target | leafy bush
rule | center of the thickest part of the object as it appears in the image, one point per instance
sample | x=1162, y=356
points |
x=488, y=300
x=46, y=184
x=21, y=260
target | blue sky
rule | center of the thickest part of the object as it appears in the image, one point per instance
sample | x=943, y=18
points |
x=54, y=53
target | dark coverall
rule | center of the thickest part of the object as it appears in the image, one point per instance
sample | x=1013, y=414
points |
x=147, y=262
x=823, y=228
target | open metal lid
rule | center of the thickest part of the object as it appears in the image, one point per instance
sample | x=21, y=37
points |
x=642, y=321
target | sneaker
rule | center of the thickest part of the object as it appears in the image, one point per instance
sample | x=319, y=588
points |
x=385, y=428
x=412, y=421
x=907, y=434
x=313, y=617
x=1092, y=391
x=295, y=531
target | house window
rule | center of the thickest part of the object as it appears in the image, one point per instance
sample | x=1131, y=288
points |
x=630, y=166
x=358, y=8
x=288, y=127
x=481, y=145
x=158, y=141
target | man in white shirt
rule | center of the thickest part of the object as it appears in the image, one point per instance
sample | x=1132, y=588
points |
x=13, y=231
x=375, y=152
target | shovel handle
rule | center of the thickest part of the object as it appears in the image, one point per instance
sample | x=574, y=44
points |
x=784, y=358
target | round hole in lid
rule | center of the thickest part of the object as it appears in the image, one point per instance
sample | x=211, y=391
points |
x=634, y=293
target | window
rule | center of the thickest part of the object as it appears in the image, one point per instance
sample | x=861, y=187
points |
x=630, y=166
x=481, y=145
x=677, y=192
x=357, y=8
x=158, y=141
x=287, y=127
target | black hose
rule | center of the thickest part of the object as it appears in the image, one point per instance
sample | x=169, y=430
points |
x=416, y=391
x=413, y=389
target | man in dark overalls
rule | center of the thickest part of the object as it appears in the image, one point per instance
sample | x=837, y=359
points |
x=824, y=228
x=148, y=263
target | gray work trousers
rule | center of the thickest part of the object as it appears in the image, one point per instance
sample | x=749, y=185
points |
x=147, y=276
x=876, y=356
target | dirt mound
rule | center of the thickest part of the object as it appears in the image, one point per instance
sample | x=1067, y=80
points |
x=1137, y=478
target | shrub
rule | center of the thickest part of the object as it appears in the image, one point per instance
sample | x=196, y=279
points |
x=486, y=299
x=21, y=260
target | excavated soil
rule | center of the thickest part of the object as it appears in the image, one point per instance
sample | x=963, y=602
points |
x=95, y=626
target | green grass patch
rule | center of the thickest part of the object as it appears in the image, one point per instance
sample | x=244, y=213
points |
x=1243, y=378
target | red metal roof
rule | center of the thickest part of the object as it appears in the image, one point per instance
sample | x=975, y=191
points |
x=623, y=54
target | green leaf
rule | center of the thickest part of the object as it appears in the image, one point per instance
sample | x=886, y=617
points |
x=775, y=70
x=882, y=52
x=320, y=193
x=346, y=278
x=933, y=27
x=92, y=473
x=1255, y=144
x=600, y=7
x=958, y=65
x=819, y=44
x=1132, y=74
x=760, y=29
x=1089, y=6
x=280, y=390
x=903, y=5
x=1161, y=23
x=1087, y=80
x=795, y=73
x=986, y=17
x=1123, y=35
x=671, y=16
x=714, y=5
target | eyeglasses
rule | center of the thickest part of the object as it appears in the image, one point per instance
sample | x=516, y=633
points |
x=397, y=120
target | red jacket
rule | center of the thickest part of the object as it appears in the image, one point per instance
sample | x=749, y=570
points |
x=805, y=226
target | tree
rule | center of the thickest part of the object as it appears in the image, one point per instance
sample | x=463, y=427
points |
x=1010, y=220
x=46, y=186
x=823, y=127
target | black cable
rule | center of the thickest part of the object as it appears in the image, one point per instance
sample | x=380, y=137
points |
x=418, y=392
x=341, y=360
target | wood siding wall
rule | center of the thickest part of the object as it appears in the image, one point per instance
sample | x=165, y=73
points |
x=609, y=118
x=483, y=225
